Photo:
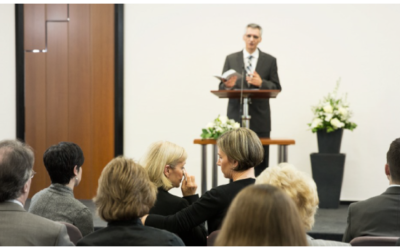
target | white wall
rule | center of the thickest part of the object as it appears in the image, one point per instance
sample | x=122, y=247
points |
x=172, y=51
x=7, y=72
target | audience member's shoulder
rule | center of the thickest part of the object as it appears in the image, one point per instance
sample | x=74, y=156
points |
x=165, y=238
x=80, y=205
x=365, y=202
x=39, y=194
x=328, y=243
x=237, y=184
x=49, y=224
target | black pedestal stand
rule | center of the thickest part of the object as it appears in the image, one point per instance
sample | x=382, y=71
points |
x=327, y=171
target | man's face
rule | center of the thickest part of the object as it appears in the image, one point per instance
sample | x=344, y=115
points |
x=252, y=38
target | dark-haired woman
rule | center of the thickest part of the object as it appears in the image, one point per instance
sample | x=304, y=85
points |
x=64, y=163
x=239, y=151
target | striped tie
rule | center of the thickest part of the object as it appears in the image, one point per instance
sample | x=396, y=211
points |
x=249, y=67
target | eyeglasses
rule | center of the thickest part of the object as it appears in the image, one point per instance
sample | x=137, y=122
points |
x=33, y=173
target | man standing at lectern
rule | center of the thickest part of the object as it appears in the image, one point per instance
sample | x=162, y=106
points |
x=260, y=71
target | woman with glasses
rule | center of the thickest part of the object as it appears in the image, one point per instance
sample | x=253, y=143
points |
x=165, y=165
x=63, y=162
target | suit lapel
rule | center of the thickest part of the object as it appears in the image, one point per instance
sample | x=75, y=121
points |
x=260, y=62
x=240, y=63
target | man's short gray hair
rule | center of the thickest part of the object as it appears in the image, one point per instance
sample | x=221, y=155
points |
x=16, y=163
x=253, y=26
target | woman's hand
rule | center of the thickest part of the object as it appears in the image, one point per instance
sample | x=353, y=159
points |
x=189, y=186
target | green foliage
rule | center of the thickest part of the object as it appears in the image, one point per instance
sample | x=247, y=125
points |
x=219, y=126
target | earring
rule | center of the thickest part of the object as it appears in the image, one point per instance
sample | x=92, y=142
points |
x=76, y=178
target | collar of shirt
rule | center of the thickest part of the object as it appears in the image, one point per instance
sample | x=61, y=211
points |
x=394, y=185
x=16, y=202
x=247, y=54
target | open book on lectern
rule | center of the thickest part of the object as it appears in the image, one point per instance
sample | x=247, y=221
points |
x=228, y=74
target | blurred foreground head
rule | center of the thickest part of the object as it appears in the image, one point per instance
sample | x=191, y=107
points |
x=262, y=215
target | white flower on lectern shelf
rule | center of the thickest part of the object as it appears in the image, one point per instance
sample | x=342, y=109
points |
x=223, y=119
x=332, y=113
x=220, y=125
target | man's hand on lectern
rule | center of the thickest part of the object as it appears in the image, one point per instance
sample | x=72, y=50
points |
x=189, y=186
x=254, y=80
x=230, y=83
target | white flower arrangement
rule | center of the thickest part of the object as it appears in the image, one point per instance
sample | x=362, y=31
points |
x=219, y=126
x=332, y=113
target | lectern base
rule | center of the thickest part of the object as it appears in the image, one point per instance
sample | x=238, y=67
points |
x=327, y=171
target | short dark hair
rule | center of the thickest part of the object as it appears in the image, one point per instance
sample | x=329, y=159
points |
x=243, y=146
x=60, y=160
x=393, y=160
x=16, y=163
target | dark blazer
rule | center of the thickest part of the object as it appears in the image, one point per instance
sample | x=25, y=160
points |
x=377, y=216
x=211, y=207
x=168, y=204
x=259, y=109
x=130, y=233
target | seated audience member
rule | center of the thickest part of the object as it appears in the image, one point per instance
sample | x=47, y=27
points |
x=378, y=216
x=64, y=163
x=17, y=226
x=302, y=190
x=262, y=215
x=124, y=194
x=165, y=165
x=239, y=151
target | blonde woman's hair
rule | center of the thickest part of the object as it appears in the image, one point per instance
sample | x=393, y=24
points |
x=297, y=185
x=262, y=215
x=162, y=153
x=243, y=146
x=125, y=191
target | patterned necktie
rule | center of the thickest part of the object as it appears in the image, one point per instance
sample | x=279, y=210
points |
x=249, y=67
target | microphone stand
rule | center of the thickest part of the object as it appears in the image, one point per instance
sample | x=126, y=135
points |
x=245, y=117
x=241, y=87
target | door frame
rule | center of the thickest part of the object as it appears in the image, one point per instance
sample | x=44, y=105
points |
x=118, y=78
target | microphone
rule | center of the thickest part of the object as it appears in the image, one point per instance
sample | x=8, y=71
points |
x=241, y=87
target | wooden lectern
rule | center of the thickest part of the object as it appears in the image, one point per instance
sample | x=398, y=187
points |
x=246, y=94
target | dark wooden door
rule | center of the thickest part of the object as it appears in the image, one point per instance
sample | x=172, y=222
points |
x=69, y=85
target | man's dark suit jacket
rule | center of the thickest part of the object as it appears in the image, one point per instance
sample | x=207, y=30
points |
x=130, y=233
x=377, y=216
x=168, y=204
x=259, y=109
